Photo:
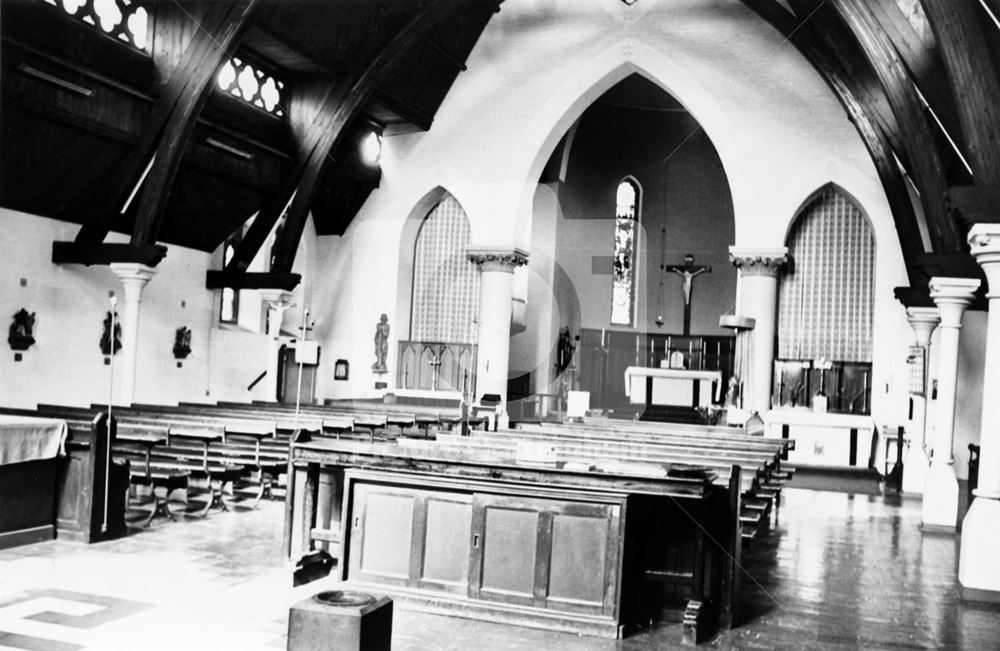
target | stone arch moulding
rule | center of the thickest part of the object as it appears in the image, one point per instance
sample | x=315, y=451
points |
x=407, y=253
x=567, y=103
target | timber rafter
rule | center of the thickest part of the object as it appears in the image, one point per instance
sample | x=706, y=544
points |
x=807, y=40
x=924, y=159
x=339, y=105
x=166, y=132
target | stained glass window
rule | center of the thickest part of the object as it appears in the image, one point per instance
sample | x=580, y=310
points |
x=125, y=20
x=251, y=84
x=623, y=272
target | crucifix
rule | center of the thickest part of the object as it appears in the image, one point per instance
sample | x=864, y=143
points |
x=689, y=270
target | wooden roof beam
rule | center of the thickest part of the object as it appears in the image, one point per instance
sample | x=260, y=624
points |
x=339, y=106
x=924, y=63
x=924, y=159
x=91, y=253
x=973, y=80
x=178, y=105
x=808, y=41
x=217, y=279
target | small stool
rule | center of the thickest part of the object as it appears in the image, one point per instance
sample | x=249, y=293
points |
x=354, y=621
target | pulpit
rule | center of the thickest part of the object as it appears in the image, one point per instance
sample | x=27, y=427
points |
x=671, y=387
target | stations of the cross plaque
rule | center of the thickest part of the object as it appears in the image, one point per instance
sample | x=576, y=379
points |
x=689, y=270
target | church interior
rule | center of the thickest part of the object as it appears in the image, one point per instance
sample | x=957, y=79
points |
x=500, y=324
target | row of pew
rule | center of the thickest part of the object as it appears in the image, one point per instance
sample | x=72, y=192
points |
x=226, y=443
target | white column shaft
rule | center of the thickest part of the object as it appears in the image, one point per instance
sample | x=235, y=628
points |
x=940, y=506
x=978, y=570
x=757, y=298
x=947, y=381
x=134, y=278
x=495, y=295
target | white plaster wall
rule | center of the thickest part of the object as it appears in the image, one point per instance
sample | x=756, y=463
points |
x=779, y=131
x=65, y=366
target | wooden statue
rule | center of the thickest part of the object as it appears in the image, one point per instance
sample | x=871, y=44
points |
x=20, y=337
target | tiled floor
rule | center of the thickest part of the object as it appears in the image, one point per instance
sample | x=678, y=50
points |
x=837, y=572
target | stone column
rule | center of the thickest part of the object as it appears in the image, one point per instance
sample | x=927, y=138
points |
x=940, y=510
x=923, y=320
x=757, y=298
x=134, y=278
x=277, y=301
x=496, y=267
x=978, y=569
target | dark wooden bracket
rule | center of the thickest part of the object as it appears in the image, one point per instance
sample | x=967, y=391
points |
x=104, y=254
x=216, y=279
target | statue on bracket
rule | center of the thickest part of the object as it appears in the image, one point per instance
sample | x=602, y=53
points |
x=565, y=350
x=182, y=342
x=20, y=330
x=381, y=344
x=106, y=335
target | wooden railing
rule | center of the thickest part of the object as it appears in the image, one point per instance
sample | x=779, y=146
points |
x=437, y=366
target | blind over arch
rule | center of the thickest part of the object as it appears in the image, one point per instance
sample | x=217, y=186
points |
x=826, y=301
x=445, y=283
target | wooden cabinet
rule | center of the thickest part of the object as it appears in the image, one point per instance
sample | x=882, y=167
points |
x=498, y=549
x=409, y=537
x=546, y=553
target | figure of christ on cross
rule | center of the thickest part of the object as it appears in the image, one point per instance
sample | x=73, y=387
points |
x=689, y=270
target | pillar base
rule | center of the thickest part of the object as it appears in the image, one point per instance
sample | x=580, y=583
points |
x=940, y=509
x=978, y=570
x=915, y=469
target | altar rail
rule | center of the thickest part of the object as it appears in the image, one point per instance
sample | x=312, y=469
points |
x=436, y=366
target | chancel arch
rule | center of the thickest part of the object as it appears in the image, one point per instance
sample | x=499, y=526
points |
x=444, y=305
x=826, y=306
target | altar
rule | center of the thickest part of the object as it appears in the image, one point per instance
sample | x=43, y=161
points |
x=672, y=387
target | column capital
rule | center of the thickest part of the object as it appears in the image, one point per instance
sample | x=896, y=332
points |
x=984, y=244
x=133, y=271
x=758, y=262
x=133, y=277
x=497, y=258
x=923, y=320
x=952, y=296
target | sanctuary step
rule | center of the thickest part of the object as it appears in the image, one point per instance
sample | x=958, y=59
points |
x=658, y=414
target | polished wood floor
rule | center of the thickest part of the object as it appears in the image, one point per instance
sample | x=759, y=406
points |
x=836, y=571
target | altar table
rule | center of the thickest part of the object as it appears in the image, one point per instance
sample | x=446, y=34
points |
x=672, y=387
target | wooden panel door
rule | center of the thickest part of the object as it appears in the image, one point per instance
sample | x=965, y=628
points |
x=409, y=537
x=546, y=553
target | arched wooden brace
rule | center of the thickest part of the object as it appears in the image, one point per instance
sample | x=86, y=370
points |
x=974, y=82
x=924, y=158
x=809, y=43
x=338, y=108
x=167, y=129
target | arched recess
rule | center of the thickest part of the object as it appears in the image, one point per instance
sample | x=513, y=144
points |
x=827, y=301
x=443, y=306
x=407, y=248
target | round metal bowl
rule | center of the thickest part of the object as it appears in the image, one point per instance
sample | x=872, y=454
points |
x=343, y=598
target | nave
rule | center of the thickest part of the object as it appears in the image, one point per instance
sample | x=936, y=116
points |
x=837, y=571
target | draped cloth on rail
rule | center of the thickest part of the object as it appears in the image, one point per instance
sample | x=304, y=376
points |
x=26, y=438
